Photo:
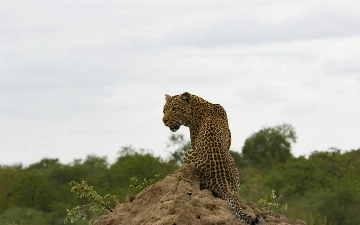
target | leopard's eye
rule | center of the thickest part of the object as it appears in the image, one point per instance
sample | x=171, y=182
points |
x=173, y=109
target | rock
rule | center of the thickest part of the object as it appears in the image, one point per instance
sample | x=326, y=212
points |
x=178, y=200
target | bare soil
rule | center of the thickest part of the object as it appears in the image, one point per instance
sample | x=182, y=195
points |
x=178, y=200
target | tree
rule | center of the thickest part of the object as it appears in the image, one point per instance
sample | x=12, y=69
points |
x=181, y=146
x=44, y=164
x=130, y=163
x=240, y=162
x=252, y=186
x=269, y=146
x=7, y=176
x=31, y=189
x=341, y=204
x=16, y=215
x=296, y=178
x=339, y=166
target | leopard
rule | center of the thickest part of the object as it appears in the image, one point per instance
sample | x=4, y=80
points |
x=210, y=138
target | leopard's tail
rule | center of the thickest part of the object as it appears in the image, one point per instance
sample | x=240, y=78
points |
x=234, y=203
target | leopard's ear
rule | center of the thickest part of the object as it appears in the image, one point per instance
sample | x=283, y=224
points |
x=167, y=97
x=186, y=97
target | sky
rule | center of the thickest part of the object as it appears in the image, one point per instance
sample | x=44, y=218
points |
x=88, y=77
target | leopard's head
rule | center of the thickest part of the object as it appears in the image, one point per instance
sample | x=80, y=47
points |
x=177, y=111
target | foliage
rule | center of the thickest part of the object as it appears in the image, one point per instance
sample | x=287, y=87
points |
x=22, y=216
x=272, y=202
x=98, y=205
x=240, y=162
x=140, y=164
x=180, y=146
x=296, y=178
x=269, y=146
x=323, y=188
x=137, y=187
x=319, y=220
x=252, y=187
x=7, y=175
x=31, y=189
x=341, y=204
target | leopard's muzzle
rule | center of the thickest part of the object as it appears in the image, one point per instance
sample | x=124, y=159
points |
x=174, y=126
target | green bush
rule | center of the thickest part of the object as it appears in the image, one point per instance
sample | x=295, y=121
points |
x=97, y=205
x=22, y=216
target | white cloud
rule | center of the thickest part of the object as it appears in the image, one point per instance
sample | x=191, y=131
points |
x=340, y=58
x=80, y=77
x=254, y=24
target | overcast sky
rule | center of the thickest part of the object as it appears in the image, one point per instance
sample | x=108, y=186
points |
x=87, y=77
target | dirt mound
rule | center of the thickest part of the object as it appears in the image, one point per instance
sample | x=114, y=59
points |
x=178, y=200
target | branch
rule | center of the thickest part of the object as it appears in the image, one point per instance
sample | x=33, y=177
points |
x=107, y=207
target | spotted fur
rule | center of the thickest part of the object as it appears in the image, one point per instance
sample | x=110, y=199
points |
x=210, y=140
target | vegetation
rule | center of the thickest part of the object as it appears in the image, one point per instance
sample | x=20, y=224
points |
x=272, y=202
x=270, y=146
x=138, y=187
x=322, y=189
x=97, y=205
x=180, y=147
